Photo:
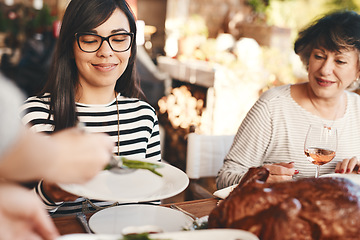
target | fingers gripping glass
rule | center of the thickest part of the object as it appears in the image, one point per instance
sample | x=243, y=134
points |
x=91, y=42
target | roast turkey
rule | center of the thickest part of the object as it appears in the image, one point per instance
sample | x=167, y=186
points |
x=311, y=208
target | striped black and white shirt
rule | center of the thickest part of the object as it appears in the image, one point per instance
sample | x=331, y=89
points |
x=274, y=131
x=139, y=133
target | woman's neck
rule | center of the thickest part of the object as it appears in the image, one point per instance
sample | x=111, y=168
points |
x=329, y=108
x=94, y=96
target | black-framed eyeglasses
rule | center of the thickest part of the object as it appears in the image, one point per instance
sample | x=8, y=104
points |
x=91, y=42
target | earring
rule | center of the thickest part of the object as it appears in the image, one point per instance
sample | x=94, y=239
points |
x=354, y=85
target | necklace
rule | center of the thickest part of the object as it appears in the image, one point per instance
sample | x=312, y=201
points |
x=118, y=125
x=318, y=112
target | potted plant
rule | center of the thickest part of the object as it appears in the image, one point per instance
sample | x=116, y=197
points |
x=258, y=10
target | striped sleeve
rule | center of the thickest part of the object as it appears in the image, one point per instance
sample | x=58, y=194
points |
x=153, y=147
x=35, y=112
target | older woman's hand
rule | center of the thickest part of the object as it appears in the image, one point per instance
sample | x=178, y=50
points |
x=348, y=166
x=280, y=171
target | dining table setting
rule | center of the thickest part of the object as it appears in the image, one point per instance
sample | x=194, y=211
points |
x=134, y=187
x=219, y=217
x=199, y=208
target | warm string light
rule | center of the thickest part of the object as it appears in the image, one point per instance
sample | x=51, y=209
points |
x=38, y=4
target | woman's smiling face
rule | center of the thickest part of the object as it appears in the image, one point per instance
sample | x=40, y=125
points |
x=101, y=69
x=330, y=73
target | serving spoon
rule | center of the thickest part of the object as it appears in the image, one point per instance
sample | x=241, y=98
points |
x=122, y=165
x=116, y=165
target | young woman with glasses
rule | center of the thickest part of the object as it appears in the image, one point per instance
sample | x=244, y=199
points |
x=93, y=81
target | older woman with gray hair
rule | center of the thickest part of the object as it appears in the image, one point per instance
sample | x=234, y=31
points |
x=274, y=130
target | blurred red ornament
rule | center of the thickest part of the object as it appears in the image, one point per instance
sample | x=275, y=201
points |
x=12, y=15
x=56, y=28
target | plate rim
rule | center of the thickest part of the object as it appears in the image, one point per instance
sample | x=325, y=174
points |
x=135, y=206
x=158, y=195
x=349, y=176
x=223, y=230
x=83, y=236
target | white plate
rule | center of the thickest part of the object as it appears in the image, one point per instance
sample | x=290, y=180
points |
x=355, y=178
x=114, y=220
x=210, y=234
x=138, y=186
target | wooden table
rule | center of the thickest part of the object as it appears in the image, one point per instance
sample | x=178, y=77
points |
x=200, y=208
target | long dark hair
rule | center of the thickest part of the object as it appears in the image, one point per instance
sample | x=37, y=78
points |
x=82, y=16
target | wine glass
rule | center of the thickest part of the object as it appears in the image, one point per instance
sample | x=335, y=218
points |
x=320, y=145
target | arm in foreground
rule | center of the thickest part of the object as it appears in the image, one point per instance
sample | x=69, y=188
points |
x=22, y=215
x=68, y=156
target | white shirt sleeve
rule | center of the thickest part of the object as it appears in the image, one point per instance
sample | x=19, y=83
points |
x=11, y=99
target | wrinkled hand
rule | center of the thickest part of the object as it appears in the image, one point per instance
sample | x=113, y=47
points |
x=22, y=215
x=348, y=166
x=79, y=156
x=280, y=171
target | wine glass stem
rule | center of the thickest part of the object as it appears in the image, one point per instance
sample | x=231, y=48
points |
x=317, y=171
